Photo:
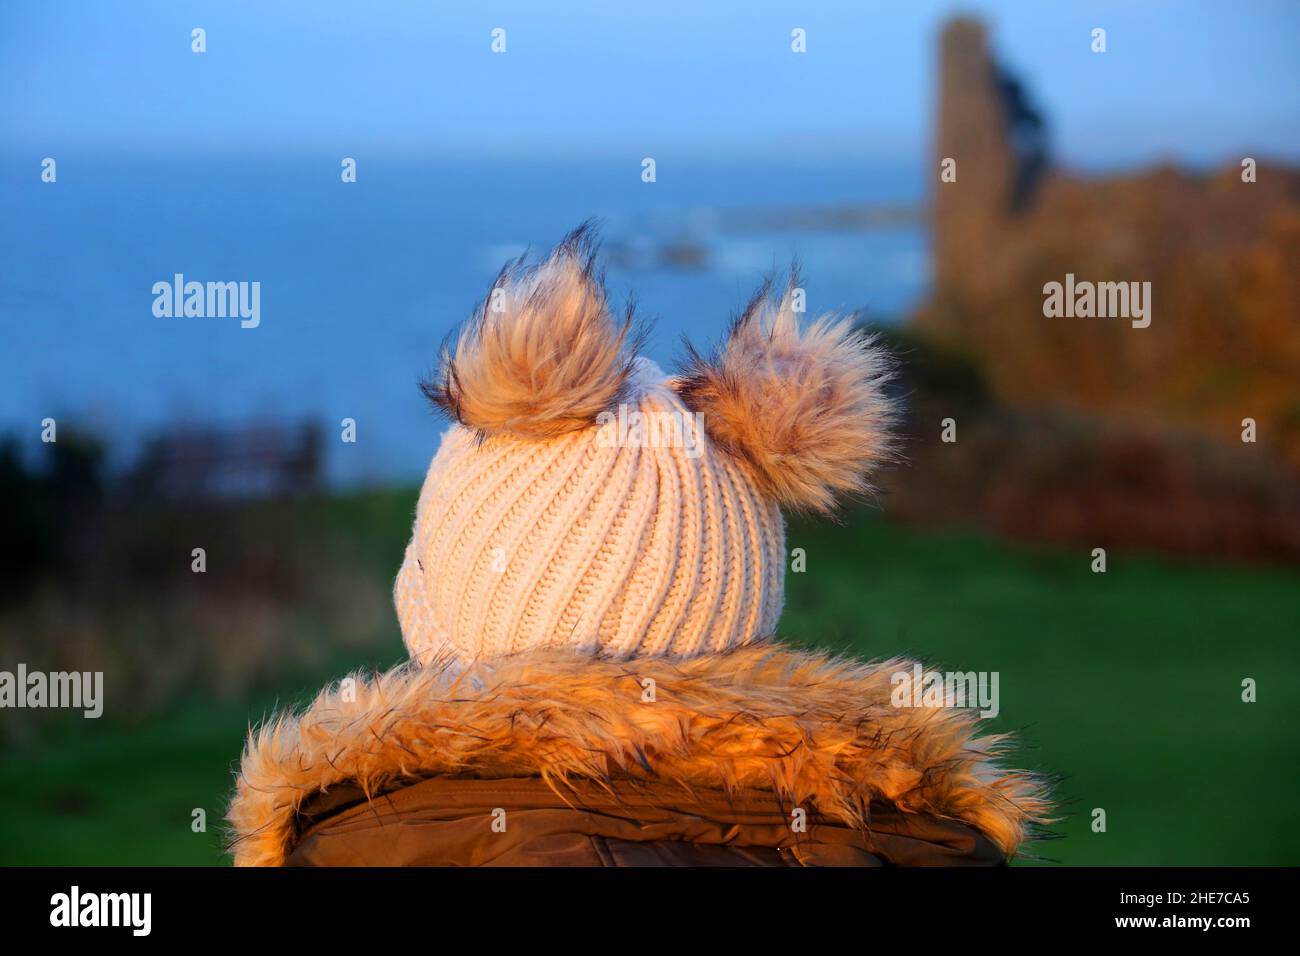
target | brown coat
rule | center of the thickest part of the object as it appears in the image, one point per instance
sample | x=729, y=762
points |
x=763, y=756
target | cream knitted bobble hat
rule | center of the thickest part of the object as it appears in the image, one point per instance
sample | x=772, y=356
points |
x=582, y=499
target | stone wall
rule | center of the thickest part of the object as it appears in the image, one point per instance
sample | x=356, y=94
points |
x=1222, y=257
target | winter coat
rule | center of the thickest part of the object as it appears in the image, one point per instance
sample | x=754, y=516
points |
x=765, y=756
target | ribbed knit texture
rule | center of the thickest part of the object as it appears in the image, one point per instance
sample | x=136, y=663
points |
x=634, y=550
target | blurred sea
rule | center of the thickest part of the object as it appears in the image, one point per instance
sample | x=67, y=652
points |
x=361, y=282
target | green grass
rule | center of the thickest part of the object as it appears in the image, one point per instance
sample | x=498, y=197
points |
x=1127, y=683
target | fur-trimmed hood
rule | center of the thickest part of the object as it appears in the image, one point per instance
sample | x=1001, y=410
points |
x=807, y=726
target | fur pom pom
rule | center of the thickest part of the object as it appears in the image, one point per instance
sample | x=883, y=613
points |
x=542, y=356
x=804, y=409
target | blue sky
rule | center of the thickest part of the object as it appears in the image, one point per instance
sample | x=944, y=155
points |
x=1196, y=81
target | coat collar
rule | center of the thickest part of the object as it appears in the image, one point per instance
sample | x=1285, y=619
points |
x=801, y=723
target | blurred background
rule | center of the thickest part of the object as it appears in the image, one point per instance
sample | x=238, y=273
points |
x=1071, y=434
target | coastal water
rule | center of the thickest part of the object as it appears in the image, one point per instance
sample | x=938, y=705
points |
x=359, y=283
